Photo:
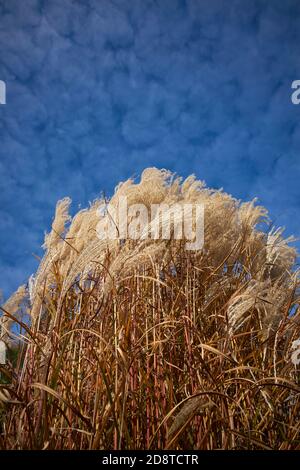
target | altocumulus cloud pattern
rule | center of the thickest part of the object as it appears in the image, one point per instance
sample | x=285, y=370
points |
x=97, y=90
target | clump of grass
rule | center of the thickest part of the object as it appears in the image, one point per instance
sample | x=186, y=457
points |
x=145, y=345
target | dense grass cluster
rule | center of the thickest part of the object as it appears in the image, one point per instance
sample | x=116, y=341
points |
x=145, y=345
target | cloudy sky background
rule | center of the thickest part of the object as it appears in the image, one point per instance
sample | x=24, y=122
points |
x=97, y=90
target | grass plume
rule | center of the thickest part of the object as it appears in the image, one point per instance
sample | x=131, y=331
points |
x=141, y=344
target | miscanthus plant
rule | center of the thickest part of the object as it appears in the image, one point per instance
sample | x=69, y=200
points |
x=142, y=344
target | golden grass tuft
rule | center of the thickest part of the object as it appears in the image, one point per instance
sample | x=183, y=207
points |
x=145, y=345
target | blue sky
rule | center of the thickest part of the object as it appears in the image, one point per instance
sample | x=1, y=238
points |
x=97, y=90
